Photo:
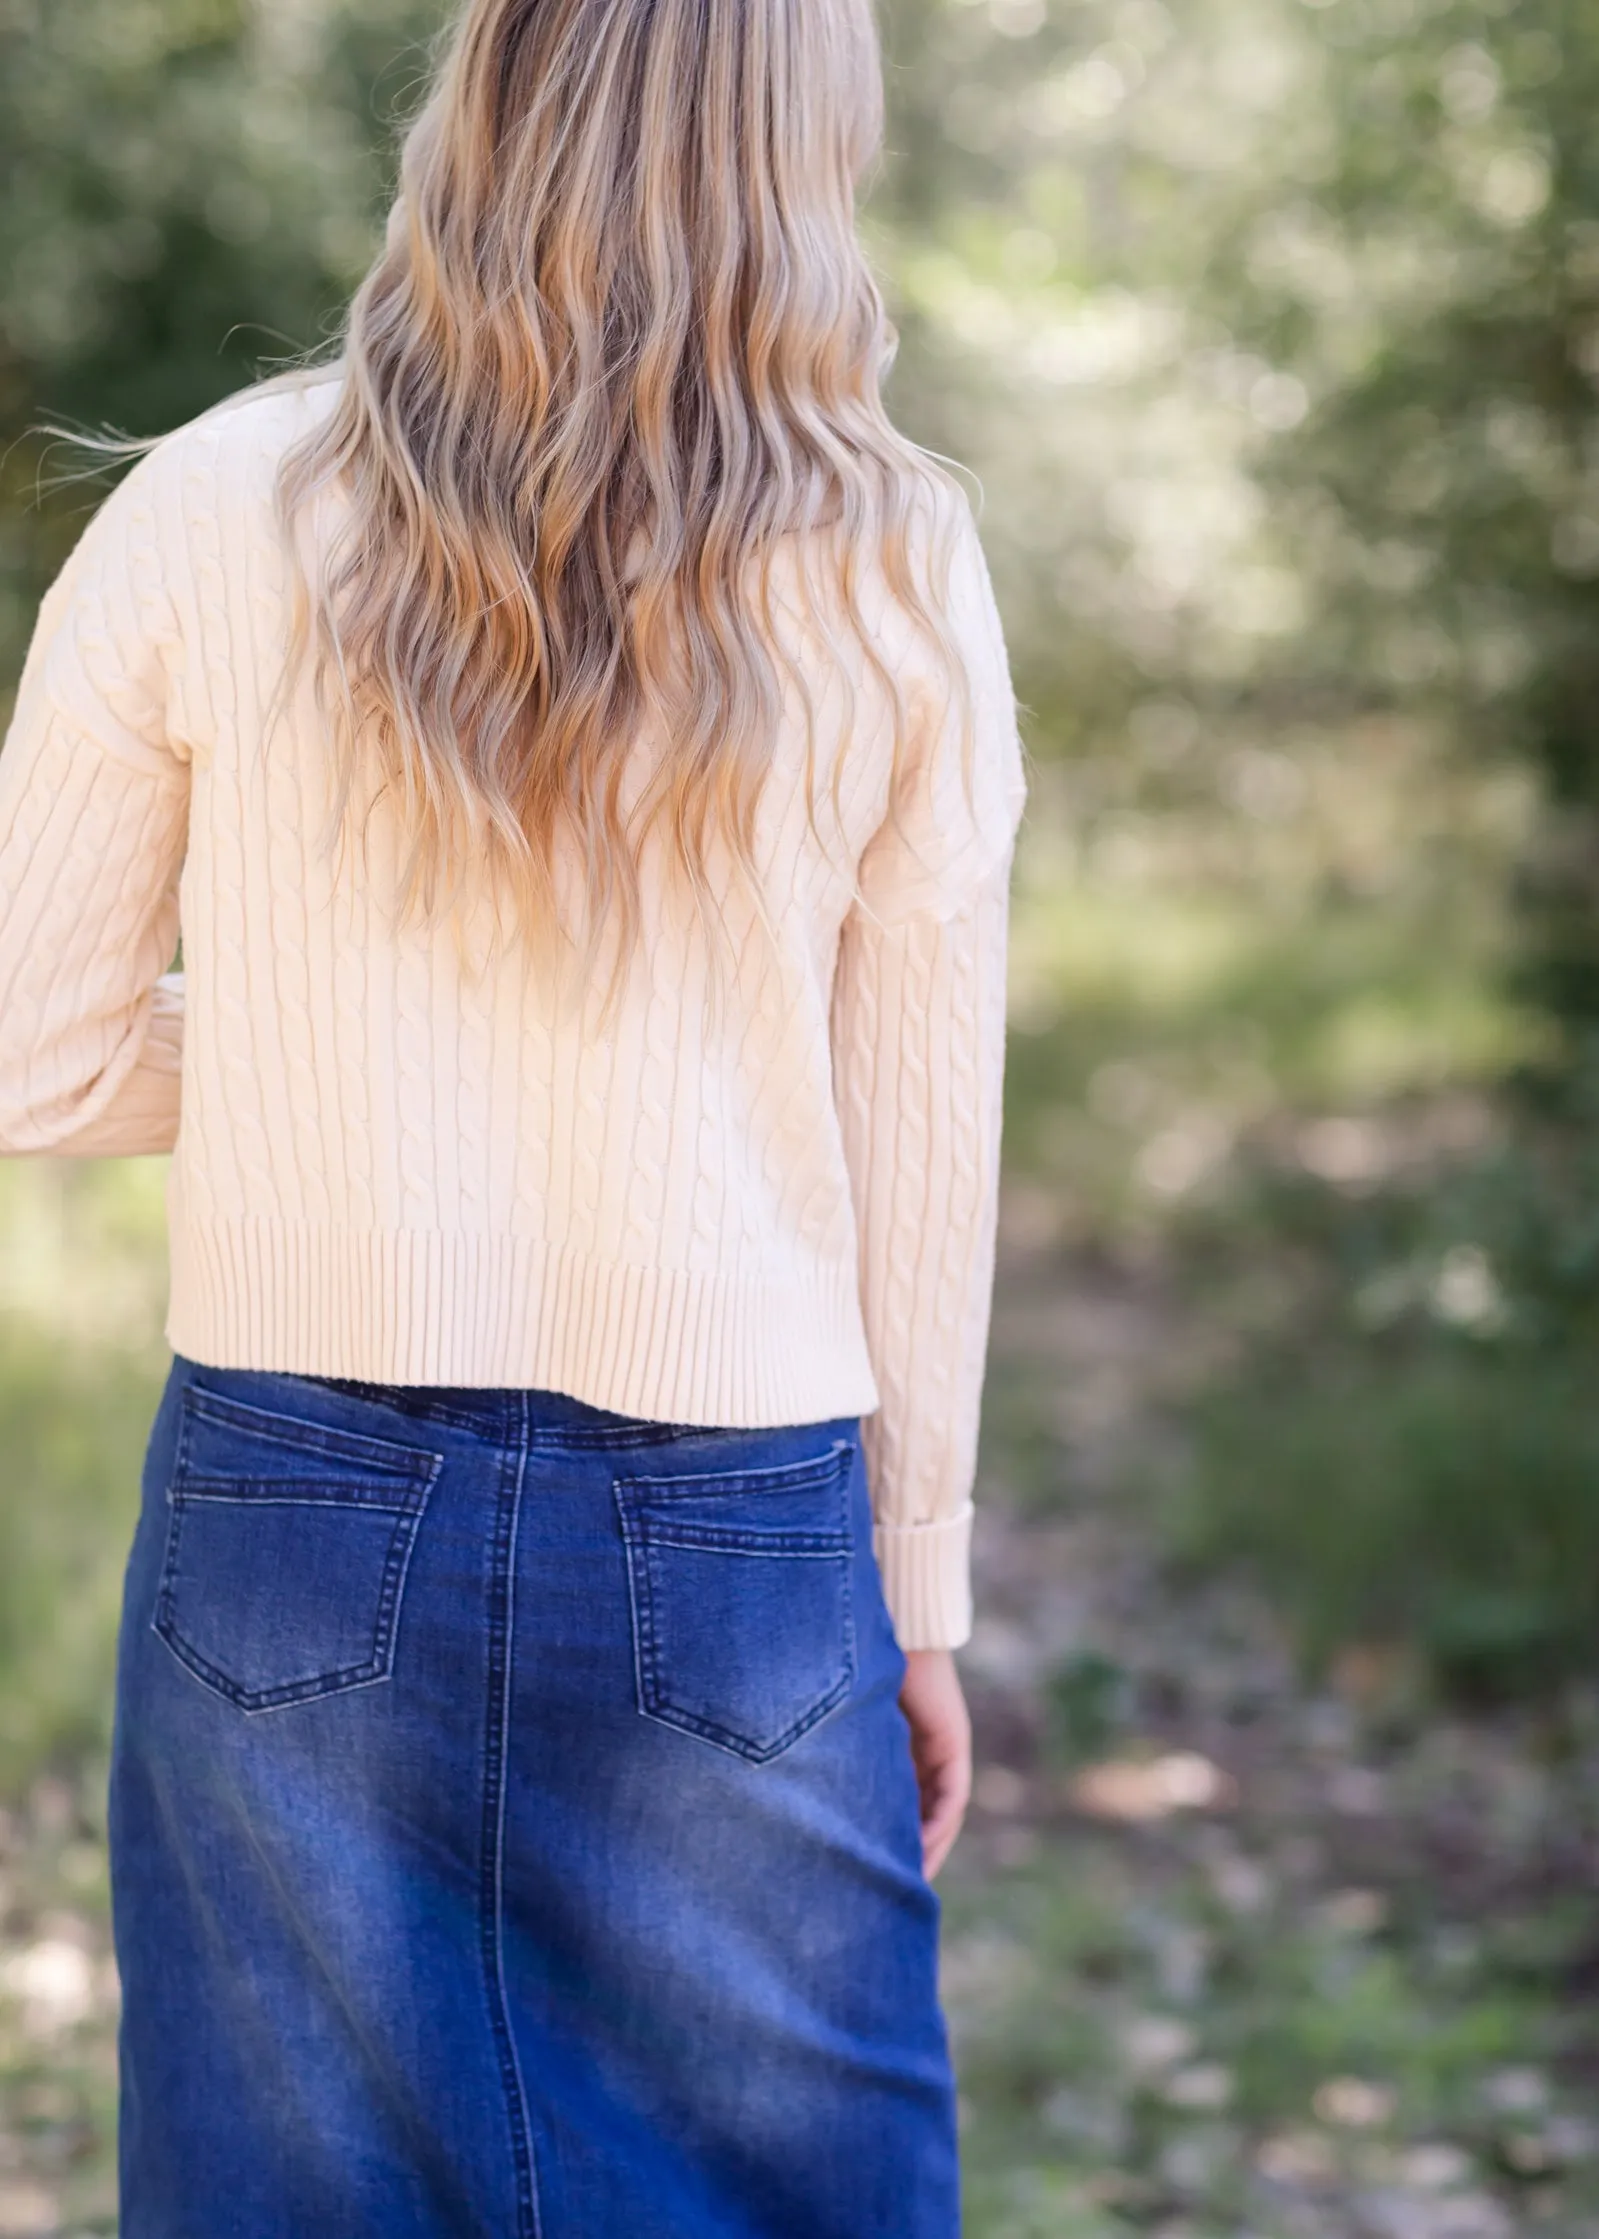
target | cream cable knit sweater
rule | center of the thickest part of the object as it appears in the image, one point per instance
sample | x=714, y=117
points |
x=401, y=1158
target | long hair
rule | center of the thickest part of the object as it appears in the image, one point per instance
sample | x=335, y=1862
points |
x=621, y=341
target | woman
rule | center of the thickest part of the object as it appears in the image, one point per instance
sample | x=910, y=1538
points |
x=572, y=730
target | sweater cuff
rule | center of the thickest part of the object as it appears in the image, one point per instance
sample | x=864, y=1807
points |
x=926, y=1571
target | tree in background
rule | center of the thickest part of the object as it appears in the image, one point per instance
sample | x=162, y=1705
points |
x=1280, y=319
x=186, y=191
x=1454, y=452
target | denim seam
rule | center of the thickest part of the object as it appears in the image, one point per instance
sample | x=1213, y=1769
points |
x=383, y=1457
x=638, y=1609
x=736, y=1745
x=397, y=1399
x=250, y=1492
x=631, y=1434
x=502, y=1613
x=815, y=1469
x=428, y=1409
x=713, y=1539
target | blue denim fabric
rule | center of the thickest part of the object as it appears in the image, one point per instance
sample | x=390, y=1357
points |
x=514, y=1830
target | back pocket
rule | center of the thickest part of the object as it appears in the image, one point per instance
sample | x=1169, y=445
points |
x=288, y=1543
x=743, y=1629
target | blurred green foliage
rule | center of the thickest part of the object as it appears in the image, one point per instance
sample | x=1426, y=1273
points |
x=1410, y=1463
x=71, y=1425
x=1444, y=1506
x=1280, y=325
x=187, y=191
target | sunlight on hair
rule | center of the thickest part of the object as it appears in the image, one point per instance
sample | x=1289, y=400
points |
x=621, y=350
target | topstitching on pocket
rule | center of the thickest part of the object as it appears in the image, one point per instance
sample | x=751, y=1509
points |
x=741, y=1592
x=288, y=1545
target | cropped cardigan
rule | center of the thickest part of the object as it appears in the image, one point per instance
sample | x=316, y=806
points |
x=413, y=1154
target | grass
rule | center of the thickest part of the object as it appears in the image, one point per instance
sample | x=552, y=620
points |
x=1441, y=1511
x=72, y=1426
x=80, y=1370
x=1232, y=1953
x=1136, y=2055
x=1187, y=975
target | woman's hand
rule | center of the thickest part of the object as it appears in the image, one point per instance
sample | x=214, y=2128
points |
x=941, y=1748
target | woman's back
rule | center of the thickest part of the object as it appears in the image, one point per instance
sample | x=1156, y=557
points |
x=408, y=1152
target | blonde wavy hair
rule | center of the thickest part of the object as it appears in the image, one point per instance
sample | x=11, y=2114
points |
x=621, y=340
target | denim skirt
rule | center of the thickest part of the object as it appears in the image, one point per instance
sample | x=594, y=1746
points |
x=514, y=1830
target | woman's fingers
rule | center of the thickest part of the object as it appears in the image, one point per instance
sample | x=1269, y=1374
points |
x=941, y=1748
x=943, y=1810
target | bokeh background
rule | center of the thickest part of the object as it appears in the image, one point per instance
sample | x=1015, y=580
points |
x=1271, y=330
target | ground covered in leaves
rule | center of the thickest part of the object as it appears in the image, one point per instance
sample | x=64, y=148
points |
x=1228, y=1956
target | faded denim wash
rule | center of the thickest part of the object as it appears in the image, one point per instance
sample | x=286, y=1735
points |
x=514, y=1831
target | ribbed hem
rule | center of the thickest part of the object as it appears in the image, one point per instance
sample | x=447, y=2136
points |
x=414, y=1306
x=927, y=1579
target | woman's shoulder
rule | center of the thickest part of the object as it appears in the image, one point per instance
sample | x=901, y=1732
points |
x=235, y=446
x=158, y=544
x=932, y=541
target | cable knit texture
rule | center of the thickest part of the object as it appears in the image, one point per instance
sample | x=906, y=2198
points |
x=406, y=1156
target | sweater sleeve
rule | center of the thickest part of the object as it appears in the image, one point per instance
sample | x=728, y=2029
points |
x=919, y=1046
x=94, y=797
